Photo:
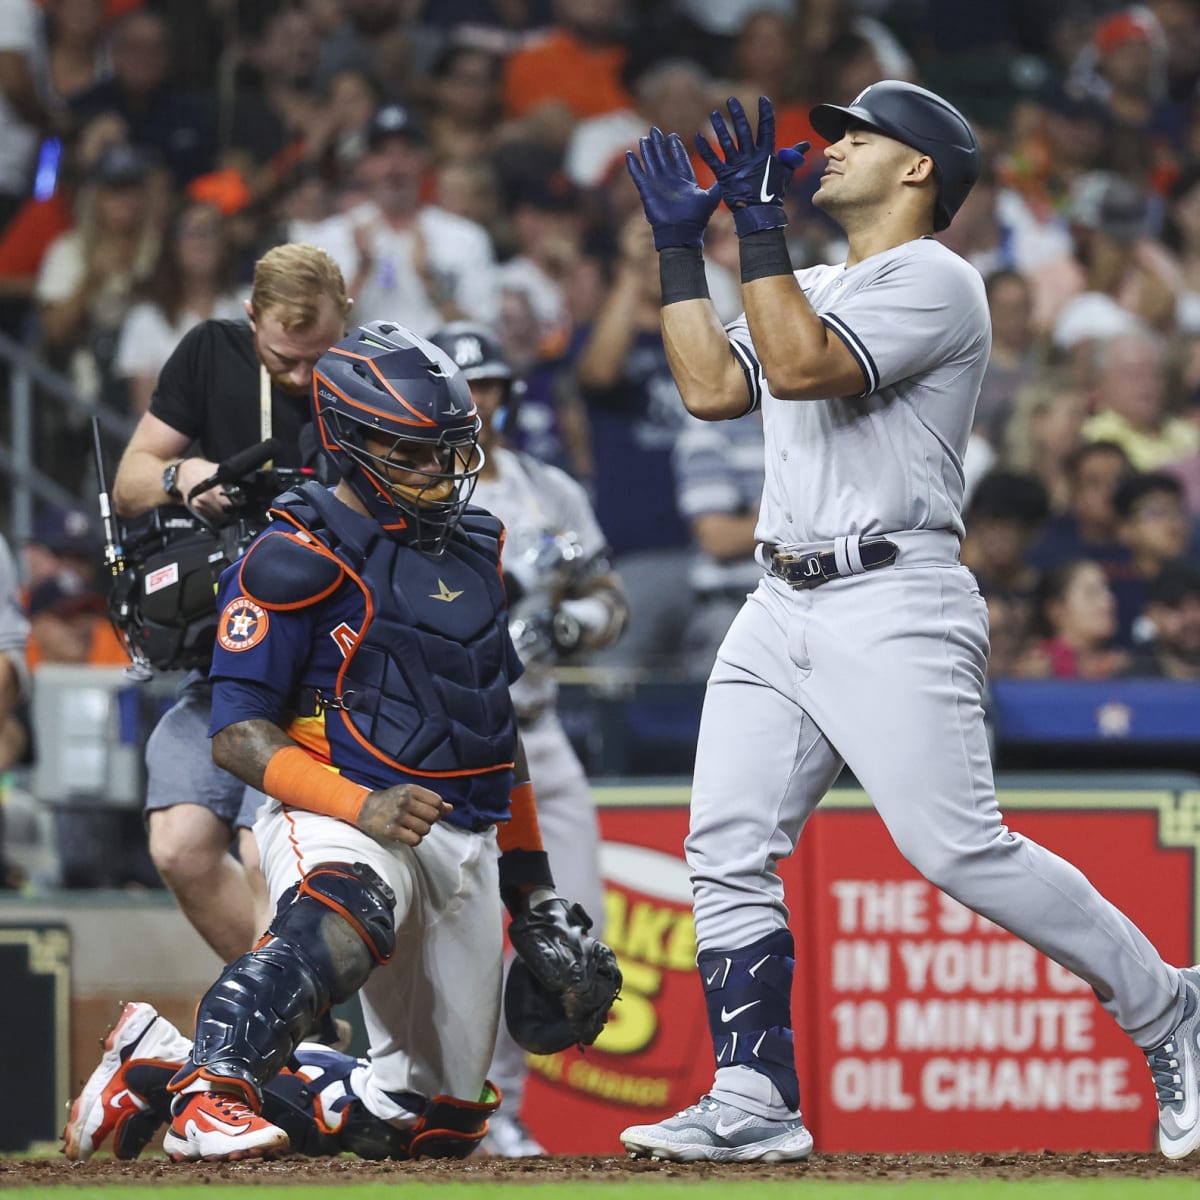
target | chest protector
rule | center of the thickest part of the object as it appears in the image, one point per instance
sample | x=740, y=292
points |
x=425, y=684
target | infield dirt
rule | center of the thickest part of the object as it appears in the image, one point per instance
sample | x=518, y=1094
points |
x=846, y=1167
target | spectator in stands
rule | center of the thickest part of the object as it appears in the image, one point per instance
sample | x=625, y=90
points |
x=763, y=63
x=1124, y=67
x=486, y=16
x=1181, y=236
x=570, y=72
x=193, y=280
x=1131, y=394
x=407, y=261
x=363, y=35
x=160, y=116
x=278, y=116
x=1006, y=514
x=24, y=112
x=86, y=281
x=636, y=418
x=75, y=53
x=68, y=623
x=1011, y=365
x=43, y=217
x=1087, y=526
x=546, y=220
x=63, y=542
x=673, y=94
x=719, y=471
x=467, y=105
x=1120, y=280
x=1075, y=620
x=1153, y=525
x=1173, y=612
x=1043, y=431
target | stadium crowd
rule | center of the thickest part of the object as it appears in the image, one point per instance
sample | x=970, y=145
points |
x=465, y=158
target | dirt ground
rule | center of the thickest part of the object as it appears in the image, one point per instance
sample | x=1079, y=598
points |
x=859, y=1167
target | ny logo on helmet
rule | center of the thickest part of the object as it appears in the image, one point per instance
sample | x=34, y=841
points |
x=467, y=351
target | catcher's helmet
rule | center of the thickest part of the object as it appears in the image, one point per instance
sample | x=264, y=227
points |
x=384, y=382
x=478, y=355
x=919, y=119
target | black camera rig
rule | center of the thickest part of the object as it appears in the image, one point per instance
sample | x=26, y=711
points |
x=166, y=562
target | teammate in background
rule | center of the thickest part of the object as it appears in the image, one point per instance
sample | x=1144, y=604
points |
x=563, y=599
x=227, y=386
x=865, y=643
x=363, y=654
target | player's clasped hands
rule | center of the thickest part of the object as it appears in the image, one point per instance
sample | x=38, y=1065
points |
x=404, y=813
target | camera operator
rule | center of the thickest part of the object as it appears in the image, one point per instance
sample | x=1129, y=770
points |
x=227, y=386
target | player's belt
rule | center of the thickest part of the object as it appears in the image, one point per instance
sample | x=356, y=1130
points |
x=849, y=556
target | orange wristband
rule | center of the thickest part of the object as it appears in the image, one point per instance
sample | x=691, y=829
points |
x=294, y=777
x=521, y=831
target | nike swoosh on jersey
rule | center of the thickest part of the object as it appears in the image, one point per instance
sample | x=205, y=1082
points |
x=765, y=196
x=726, y=1015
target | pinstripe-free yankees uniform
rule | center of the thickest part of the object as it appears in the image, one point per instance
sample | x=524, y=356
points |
x=880, y=669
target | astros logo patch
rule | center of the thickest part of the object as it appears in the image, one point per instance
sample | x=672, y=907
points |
x=242, y=625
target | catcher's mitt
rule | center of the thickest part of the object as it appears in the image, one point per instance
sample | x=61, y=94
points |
x=563, y=981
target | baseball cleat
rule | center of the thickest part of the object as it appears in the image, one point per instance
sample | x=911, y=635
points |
x=141, y=1053
x=221, y=1127
x=507, y=1137
x=711, y=1131
x=1175, y=1065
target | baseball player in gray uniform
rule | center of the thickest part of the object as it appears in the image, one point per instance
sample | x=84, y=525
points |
x=866, y=641
x=563, y=599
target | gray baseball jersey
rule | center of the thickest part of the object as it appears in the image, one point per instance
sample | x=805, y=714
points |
x=719, y=469
x=916, y=319
x=884, y=670
x=536, y=501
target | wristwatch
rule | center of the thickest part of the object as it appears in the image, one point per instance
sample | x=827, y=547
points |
x=169, y=480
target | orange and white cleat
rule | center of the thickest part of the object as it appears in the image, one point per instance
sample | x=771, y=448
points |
x=219, y=1126
x=141, y=1053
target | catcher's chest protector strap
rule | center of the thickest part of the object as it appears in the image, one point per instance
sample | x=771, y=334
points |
x=748, y=993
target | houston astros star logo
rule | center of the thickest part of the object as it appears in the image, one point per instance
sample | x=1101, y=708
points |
x=444, y=593
x=242, y=625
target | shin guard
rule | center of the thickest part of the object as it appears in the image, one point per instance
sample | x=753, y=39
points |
x=748, y=993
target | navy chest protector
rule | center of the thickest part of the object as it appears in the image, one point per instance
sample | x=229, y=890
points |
x=425, y=685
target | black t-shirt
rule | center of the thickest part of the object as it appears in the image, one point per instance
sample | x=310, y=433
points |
x=208, y=389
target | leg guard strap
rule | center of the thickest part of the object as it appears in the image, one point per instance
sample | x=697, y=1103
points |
x=328, y=933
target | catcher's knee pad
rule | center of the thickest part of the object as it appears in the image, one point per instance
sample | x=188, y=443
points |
x=748, y=993
x=329, y=931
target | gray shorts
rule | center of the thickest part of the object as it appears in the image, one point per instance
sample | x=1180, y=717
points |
x=180, y=766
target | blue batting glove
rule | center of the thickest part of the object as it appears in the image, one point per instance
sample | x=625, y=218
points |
x=676, y=206
x=753, y=179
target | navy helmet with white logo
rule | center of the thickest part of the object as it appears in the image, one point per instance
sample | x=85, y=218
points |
x=385, y=383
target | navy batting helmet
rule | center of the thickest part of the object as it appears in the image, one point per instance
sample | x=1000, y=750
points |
x=919, y=119
x=477, y=353
x=385, y=383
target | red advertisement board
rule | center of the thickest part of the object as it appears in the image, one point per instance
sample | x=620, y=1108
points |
x=919, y=1026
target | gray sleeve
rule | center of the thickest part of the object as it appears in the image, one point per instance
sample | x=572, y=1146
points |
x=14, y=626
x=919, y=311
x=742, y=346
x=705, y=478
x=570, y=509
